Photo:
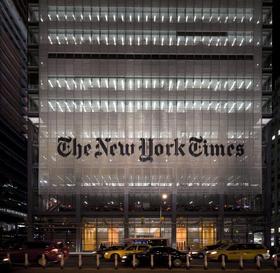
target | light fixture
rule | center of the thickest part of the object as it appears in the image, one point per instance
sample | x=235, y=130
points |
x=164, y=196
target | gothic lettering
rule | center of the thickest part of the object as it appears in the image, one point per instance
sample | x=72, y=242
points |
x=198, y=147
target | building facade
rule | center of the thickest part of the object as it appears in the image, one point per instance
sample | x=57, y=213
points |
x=272, y=142
x=150, y=118
x=13, y=112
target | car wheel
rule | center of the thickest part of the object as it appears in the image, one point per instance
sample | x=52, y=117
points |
x=177, y=263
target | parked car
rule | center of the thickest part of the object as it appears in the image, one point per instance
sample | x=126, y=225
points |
x=201, y=252
x=160, y=254
x=110, y=255
x=235, y=251
x=53, y=252
x=101, y=252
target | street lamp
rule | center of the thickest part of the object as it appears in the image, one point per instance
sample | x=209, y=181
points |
x=164, y=196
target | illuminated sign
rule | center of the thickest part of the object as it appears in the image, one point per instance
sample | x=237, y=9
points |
x=147, y=148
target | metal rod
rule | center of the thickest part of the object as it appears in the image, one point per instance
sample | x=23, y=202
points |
x=116, y=261
x=97, y=261
x=26, y=260
x=241, y=264
x=80, y=261
x=152, y=261
x=223, y=262
x=205, y=264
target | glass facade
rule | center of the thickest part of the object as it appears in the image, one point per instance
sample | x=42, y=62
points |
x=185, y=77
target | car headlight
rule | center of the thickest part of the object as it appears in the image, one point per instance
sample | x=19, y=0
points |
x=124, y=257
x=94, y=252
x=6, y=260
x=213, y=252
x=194, y=252
x=106, y=253
x=274, y=255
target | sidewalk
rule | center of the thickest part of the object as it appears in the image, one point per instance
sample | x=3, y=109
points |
x=144, y=270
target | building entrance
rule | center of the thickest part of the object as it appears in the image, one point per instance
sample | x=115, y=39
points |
x=194, y=233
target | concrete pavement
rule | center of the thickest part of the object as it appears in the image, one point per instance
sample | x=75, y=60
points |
x=140, y=270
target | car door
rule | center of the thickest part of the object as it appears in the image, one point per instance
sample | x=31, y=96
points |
x=157, y=254
x=165, y=255
x=255, y=250
x=244, y=252
x=240, y=250
x=131, y=249
x=233, y=252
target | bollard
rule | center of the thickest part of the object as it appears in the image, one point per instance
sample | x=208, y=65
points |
x=44, y=261
x=80, y=261
x=97, y=261
x=25, y=260
x=152, y=261
x=275, y=262
x=169, y=262
x=258, y=262
x=62, y=261
x=187, y=261
x=241, y=265
x=9, y=257
x=134, y=261
x=223, y=262
x=116, y=261
x=205, y=263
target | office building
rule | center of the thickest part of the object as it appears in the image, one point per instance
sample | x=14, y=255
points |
x=150, y=121
x=13, y=112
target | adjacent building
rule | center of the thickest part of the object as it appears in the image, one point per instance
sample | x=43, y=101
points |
x=150, y=121
x=13, y=112
x=271, y=142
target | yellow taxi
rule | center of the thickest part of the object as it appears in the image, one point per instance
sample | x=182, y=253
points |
x=235, y=251
x=110, y=255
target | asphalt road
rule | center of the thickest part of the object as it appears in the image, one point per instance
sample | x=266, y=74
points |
x=89, y=265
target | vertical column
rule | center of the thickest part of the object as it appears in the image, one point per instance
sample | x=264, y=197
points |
x=267, y=182
x=221, y=220
x=173, y=220
x=126, y=230
x=30, y=181
x=78, y=223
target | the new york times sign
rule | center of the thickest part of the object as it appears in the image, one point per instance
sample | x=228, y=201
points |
x=147, y=149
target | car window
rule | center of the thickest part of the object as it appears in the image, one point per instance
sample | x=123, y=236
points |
x=173, y=251
x=142, y=248
x=241, y=246
x=156, y=250
x=233, y=247
x=254, y=246
x=131, y=248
